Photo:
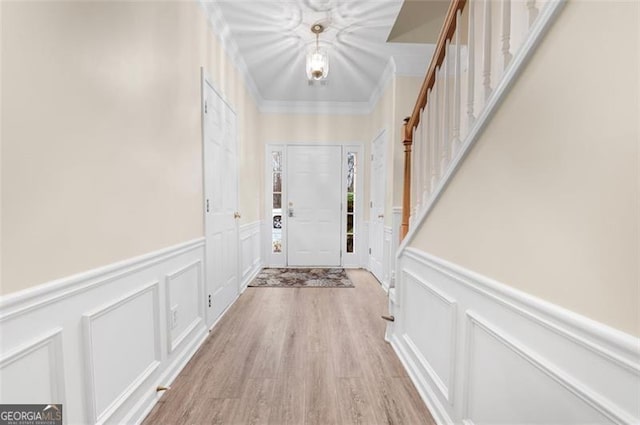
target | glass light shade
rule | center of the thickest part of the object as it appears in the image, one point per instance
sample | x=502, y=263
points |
x=317, y=64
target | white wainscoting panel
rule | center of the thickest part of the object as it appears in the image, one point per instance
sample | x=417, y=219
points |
x=184, y=304
x=481, y=352
x=387, y=258
x=38, y=361
x=250, y=252
x=439, y=313
x=100, y=342
x=363, y=246
x=122, y=349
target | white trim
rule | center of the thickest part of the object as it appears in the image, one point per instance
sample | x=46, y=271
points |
x=526, y=304
x=220, y=28
x=427, y=394
x=387, y=76
x=452, y=305
x=52, y=340
x=314, y=108
x=517, y=65
x=589, y=361
x=87, y=321
x=578, y=389
x=250, y=235
x=143, y=407
x=173, y=344
x=22, y=302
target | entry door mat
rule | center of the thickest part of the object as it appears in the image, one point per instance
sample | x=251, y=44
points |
x=302, y=278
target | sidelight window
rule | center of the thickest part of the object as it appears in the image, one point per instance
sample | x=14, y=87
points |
x=276, y=207
x=351, y=200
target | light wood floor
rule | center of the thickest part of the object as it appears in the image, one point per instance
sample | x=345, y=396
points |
x=296, y=356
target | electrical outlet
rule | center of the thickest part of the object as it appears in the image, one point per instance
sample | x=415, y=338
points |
x=174, y=317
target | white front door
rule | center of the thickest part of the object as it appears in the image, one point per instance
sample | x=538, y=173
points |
x=376, y=212
x=314, y=219
x=221, y=200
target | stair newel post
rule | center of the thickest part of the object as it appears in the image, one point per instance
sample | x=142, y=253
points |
x=407, y=133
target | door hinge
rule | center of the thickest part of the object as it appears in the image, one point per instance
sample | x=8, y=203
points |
x=370, y=204
x=207, y=205
x=372, y=157
x=205, y=106
x=209, y=300
x=369, y=251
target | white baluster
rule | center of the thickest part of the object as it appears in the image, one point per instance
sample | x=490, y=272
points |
x=417, y=143
x=445, y=109
x=533, y=11
x=432, y=138
x=429, y=123
x=457, y=76
x=437, y=114
x=414, y=169
x=486, y=51
x=506, y=33
x=425, y=155
x=471, y=64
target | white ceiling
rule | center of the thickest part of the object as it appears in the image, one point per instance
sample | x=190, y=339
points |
x=269, y=39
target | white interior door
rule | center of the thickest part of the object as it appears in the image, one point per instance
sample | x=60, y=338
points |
x=376, y=212
x=221, y=199
x=314, y=219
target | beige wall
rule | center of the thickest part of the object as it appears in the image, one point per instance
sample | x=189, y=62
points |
x=395, y=103
x=547, y=201
x=101, y=142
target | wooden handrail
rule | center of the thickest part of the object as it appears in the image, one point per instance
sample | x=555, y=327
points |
x=448, y=28
x=410, y=123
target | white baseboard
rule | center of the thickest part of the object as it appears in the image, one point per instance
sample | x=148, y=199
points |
x=482, y=352
x=70, y=335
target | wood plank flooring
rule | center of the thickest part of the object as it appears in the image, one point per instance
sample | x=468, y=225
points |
x=296, y=356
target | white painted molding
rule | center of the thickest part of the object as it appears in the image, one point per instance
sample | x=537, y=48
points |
x=515, y=68
x=578, y=389
x=32, y=298
x=101, y=416
x=452, y=305
x=427, y=394
x=72, y=321
x=220, y=28
x=144, y=406
x=592, y=370
x=526, y=305
x=314, y=108
x=387, y=76
x=199, y=319
x=51, y=340
x=251, y=259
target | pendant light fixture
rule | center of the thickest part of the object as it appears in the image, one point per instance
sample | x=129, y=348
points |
x=317, y=59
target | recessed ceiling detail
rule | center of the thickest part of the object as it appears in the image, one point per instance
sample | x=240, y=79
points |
x=273, y=38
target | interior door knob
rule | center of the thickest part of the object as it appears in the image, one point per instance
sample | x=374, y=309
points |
x=380, y=215
x=236, y=215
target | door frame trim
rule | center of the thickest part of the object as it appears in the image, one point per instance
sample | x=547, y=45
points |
x=267, y=207
x=205, y=80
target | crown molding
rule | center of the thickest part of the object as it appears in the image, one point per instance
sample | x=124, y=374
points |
x=221, y=29
x=386, y=77
x=314, y=107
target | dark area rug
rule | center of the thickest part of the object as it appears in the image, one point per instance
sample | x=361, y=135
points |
x=302, y=278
